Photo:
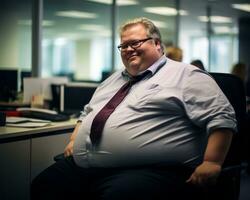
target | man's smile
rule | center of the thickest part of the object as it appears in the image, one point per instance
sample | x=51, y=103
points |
x=131, y=57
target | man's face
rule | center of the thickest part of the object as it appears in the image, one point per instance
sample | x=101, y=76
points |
x=141, y=58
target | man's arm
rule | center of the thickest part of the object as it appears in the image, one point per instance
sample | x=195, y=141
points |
x=69, y=148
x=218, y=145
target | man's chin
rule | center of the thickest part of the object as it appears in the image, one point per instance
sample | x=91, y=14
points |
x=133, y=64
x=133, y=69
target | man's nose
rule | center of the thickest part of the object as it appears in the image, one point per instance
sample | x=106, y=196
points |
x=129, y=48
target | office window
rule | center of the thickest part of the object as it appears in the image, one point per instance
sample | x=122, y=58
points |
x=77, y=39
x=212, y=39
x=193, y=33
x=15, y=35
x=223, y=52
x=197, y=50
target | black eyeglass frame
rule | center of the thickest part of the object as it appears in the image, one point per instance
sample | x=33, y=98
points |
x=133, y=44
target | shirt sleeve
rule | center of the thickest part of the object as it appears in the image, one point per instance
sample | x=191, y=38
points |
x=205, y=103
x=84, y=113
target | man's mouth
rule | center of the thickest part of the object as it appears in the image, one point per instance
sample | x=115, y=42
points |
x=131, y=57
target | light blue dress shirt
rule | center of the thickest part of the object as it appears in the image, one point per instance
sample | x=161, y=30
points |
x=164, y=120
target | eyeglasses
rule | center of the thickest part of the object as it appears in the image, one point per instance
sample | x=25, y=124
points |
x=133, y=44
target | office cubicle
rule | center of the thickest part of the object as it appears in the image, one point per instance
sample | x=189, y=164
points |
x=8, y=84
x=70, y=98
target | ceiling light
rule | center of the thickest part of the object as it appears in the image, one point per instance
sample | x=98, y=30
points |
x=91, y=27
x=160, y=24
x=216, y=19
x=96, y=29
x=224, y=30
x=24, y=22
x=48, y=23
x=76, y=14
x=105, y=33
x=244, y=7
x=164, y=11
x=118, y=2
x=60, y=41
x=28, y=22
x=70, y=36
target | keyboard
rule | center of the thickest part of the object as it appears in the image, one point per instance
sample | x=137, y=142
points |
x=45, y=116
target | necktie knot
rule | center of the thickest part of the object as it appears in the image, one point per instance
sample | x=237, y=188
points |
x=138, y=78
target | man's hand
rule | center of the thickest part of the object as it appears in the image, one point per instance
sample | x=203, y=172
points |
x=217, y=147
x=205, y=174
x=68, y=151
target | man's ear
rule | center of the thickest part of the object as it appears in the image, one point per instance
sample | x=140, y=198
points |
x=158, y=44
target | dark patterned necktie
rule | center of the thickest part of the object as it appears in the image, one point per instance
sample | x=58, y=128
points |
x=102, y=116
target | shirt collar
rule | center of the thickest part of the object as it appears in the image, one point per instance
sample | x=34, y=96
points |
x=153, y=68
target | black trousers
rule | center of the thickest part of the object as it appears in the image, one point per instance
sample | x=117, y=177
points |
x=65, y=180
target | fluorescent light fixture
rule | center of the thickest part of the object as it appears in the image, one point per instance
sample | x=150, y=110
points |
x=60, y=41
x=222, y=29
x=244, y=7
x=216, y=19
x=48, y=23
x=167, y=11
x=104, y=33
x=118, y=2
x=160, y=24
x=24, y=22
x=91, y=27
x=28, y=22
x=225, y=30
x=96, y=29
x=76, y=14
x=70, y=36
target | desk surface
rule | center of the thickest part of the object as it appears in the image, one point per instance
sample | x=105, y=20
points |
x=7, y=132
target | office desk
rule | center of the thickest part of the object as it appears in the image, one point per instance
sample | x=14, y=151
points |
x=8, y=133
x=25, y=152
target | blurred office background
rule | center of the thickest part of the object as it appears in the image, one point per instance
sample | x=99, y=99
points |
x=78, y=38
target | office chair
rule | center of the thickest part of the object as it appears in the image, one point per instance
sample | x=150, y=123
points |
x=228, y=184
x=234, y=90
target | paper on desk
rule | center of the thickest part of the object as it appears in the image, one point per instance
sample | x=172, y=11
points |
x=26, y=122
x=16, y=120
x=29, y=124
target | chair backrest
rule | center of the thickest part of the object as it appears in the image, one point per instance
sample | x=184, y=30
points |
x=228, y=183
x=234, y=90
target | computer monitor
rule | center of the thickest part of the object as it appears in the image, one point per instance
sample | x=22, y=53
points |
x=8, y=84
x=24, y=74
x=74, y=96
x=40, y=86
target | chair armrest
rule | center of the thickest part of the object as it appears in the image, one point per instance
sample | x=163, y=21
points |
x=58, y=157
x=232, y=169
